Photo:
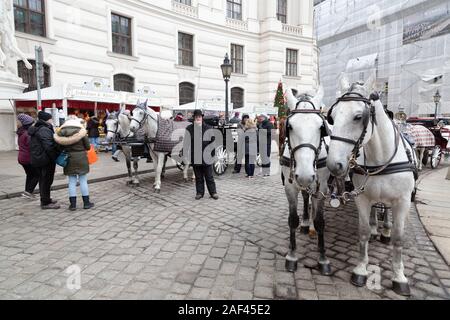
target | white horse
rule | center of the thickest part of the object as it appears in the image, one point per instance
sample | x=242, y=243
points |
x=304, y=170
x=147, y=119
x=386, y=175
x=118, y=128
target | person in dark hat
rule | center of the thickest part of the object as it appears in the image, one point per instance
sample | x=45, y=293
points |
x=240, y=146
x=236, y=118
x=44, y=151
x=24, y=122
x=195, y=136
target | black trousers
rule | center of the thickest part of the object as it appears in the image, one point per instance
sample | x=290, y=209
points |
x=204, y=173
x=250, y=165
x=32, y=177
x=46, y=176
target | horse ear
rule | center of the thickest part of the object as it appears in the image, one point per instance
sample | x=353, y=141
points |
x=291, y=100
x=369, y=85
x=146, y=102
x=107, y=112
x=344, y=83
x=317, y=100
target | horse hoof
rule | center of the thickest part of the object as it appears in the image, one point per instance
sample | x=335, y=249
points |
x=304, y=230
x=291, y=264
x=312, y=234
x=385, y=240
x=325, y=269
x=186, y=180
x=373, y=237
x=358, y=280
x=401, y=288
x=158, y=191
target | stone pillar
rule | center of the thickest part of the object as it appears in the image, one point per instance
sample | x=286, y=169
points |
x=10, y=86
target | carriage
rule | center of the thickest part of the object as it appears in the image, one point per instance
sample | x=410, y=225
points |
x=440, y=131
x=224, y=157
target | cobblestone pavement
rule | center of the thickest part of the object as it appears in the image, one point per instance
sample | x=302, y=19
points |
x=141, y=245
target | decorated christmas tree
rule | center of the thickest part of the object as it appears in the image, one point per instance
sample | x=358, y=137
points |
x=280, y=102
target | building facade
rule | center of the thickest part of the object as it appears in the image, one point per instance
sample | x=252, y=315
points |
x=173, y=47
x=406, y=43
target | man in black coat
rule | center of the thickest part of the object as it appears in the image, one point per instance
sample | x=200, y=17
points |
x=265, y=137
x=44, y=151
x=194, y=146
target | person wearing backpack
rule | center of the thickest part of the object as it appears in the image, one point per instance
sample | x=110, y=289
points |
x=73, y=140
x=43, y=152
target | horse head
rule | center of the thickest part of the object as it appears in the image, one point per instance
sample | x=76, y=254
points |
x=112, y=125
x=140, y=114
x=305, y=128
x=350, y=117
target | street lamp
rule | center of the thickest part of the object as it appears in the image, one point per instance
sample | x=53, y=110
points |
x=437, y=99
x=227, y=68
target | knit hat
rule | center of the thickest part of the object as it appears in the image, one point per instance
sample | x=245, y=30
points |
x=25, y=119
x=44, y=116
x=198, y=113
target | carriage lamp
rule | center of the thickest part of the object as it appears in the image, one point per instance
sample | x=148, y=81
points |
x=437, y=99
x=227, y=68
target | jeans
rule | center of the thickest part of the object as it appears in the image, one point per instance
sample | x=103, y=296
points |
x=94, y=142
x=204, y=173
x=83, y=185
x=32, y=177
x=46, y=177
x=114, y=148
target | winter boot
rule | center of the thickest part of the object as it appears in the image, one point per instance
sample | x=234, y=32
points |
x=73, y=203
x=87, y=203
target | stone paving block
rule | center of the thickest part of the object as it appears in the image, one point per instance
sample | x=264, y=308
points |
x=285, y=292
x=199, y=293
x=263, y=292
x=186, y=277
x=213, y=263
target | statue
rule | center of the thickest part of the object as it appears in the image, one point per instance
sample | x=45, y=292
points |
x=8, y=43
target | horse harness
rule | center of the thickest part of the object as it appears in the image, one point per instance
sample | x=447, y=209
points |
x=146, y=115
x=290, y=162
x=369, y=116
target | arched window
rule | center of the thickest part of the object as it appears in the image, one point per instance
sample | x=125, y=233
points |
x=237, y=98
x=187, y=93
x=123, y=82
x=29, y=76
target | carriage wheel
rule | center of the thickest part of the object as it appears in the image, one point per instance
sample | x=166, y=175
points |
x=221, y=164
x=436, y=156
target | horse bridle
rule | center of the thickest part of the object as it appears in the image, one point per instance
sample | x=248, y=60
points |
x=368, y=116
x=324, y=132
x=146, y=115
x=117, y=128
